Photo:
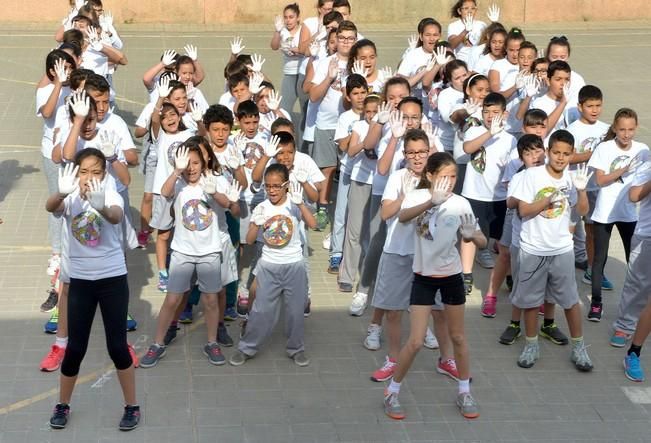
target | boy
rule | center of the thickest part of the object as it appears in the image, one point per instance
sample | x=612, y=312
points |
x=588, y=132
x=545, y=195
x=238, y=91
x=269, y=103
x=557, y=102
x=356, y=92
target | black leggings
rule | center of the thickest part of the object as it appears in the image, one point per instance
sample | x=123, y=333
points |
x=601, y=234
x=112, y=295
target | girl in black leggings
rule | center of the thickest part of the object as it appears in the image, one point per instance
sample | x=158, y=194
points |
x=98, y=275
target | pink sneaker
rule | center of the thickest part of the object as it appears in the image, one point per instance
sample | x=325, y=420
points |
x=541, y=310
x=489, y=306
x=448, y=367
x=386, y=371
x=52, y=361
x=134, y=357
x=143, y=239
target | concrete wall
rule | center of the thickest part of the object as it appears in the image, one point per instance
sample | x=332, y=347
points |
x=364, y=11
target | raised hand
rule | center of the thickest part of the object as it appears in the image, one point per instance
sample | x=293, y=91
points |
x=566, y=91
x=531, y=86
x=469, y=22
x=497, y=125
x=258, y=61
x=190, y=90
x=80, y=104
x=333, y=68
x=169, y=57
x=271, y=149
x=471, y=106
x=258, y=216
x=93, y=39
x=358, y=68
x=493, y=13
x=468, y=226
x=274, y=100
x=384, y=112
x=236, y=46
x=315, y=48
x=279, y=23
x=300, y=174
x=231, y=158
x=196, y=112
x=296, y=193
x=60, y=71
x=409, y=182
x=106, y=20
x=441, y=55
x=181, y=159
x=68, y=181
x=521, y=78
x=191, y=51
x=233, y=192
x=385, y=74
x=255, y=82
x=163, y=87
x=581, y=177
x=412, y=41
x=558, y=196
x=433, y=134
x=240, y=142
x=208, y=183
x=266, y=120
x=96, y=196
x=440, y=191
x=108, y=143
x=431, y=63
x=398, y=126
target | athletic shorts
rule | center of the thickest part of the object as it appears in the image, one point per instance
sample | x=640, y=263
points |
x=490, y=216
x=325, y=152
x=393, y=282
x=507, y=231
x=183, y=267
x=424, y=289
x=161, y=213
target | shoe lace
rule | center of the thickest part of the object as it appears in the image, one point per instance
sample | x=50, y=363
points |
x=467, y=399
x=130, y=412
x=60, y=411
x=581, y=352
x=388, y=364
x=595, y=309
x=529, y=351
x=392, y=399
x=153, y=350
x=215, y=350
x=358, y=299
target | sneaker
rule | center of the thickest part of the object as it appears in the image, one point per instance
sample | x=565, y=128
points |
x=186, y=314
x=530, y=354
x=307, y=311
x=51, y=302
x=153, y=355
x=300, y=359
x=606, y=284
x=509, y=283
x=467, y=405
x=162, y=281
x=230, y=313
x=52, y=325
x=143, y=239
x=333, y=267
x=619, y=339
x=242, y=302
x=632, y=368
x=510, y=334
x=372, y=340
x=541, y=310
x=430, y=341
x=485, y=259
x=223, y=338
x=53, y=264
x=214, y=354
x=386, y=371
x=321, y=220
x=580, y=357
x=467, y=283
x=53, y=359
x=170, y=335
x=134, y=357
x=392, y=406
x=132, y=324
x=489, y=306
x=358, y=304
x=553, y=334
x=596, y=311
x=448, y=367
x=345, y=287
x=130, y=418
x=582, y=265
x=60, y=415
x=326, y=242
x=238, y=358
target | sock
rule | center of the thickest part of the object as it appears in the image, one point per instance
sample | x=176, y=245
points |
x=174, y=324
x=515, y=323
x=467, y=276
x=221, y=324
x=533, y=340
x=577, y=340
x=634, y=350
x=488, y=294
x=548, y=322
x=62, y=342
x=162, y=272
x=394, y=387
x=464, y=386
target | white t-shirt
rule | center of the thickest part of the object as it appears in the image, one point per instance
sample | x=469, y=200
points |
x=303, y=162
x=115, y=123
x=462, y=52
x=331, y=106
x=94, y=244
x=312, y=24
x=197, y=230
x=448, y=98
x=640, y=178
x=400, y=236
x=484, y=64
x=414, y=62
x=548, y=104
x=344, y=129
x=516, y=220
x=484, y=173
x=475, y=119
x=435, y=244
x=586, y=138
x=227, y=100
x=548, y=233
x=576, y=83
x=95, y=61
x=508, y=73
x=166, y=147
x=613, y=203
x=253, y=152
x=379, y=180
x=362, y=167
x=199, y=99
x=291, y=62
x=281, y=232
x=474, y=55
x=42, y=96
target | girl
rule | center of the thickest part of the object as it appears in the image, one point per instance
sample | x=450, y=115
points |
x=494, y=49
x=465, y=32
x=363, y=61
x=456, y=73
x=439, y=217
x=169, y=63
x=559, y=48
x=197, y=246
x=614, y=163
x=287, y=38
x=280, y=270
x=98, y=275
x=186, y=67
x=503, y=77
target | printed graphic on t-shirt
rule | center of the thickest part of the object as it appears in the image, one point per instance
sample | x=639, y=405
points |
x=252, y=154
x=555, y=209
x=338, y=83
x=589, y=144
x=278, y=230
x=196, y=215
x=171, y=151
x=620, y=161
x=468, y=123
x=86, y=228
x=423, y=222
x=478, y=160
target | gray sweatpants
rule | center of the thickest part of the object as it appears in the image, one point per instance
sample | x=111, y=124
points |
x=377, y=233
x=288, y=281
x=359, y=207
x=637, y=286
x=54, y=224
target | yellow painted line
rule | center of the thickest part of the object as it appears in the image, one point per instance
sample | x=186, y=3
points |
x=22, y=82
x=21, y=146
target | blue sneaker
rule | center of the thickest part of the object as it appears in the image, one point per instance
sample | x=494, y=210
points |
x=619, y=338
x=606, y=284
x=132, y=324
x=163, y=278
x=52, y=325
x=230, y=314
x=333, y=267
x=632, y=368
x=186, y=315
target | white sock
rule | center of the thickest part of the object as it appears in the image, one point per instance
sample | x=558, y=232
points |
x=61, y=342
x=464, y=386
x=394, y=387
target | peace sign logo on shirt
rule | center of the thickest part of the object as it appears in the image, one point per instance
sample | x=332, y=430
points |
x=252, y=154
x=554, y=210
x=478, y=160
x=196, y=215
x=86, y=228
x=278, y=230
x=171, y=152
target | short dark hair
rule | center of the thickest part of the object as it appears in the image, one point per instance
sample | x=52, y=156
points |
x=410, y=99
x=55, y=55
x=529, y=142
x=346, y=25
x=247, y=109
x=96, y=82
x=285, y=138
x=277, y=168
x=281, y=121
x=236, y=79
x=561, y=136
x=333, y=16
x=590, y=92
x=218, y=114
x=534, y=117
x=495, y=99
x=558, y=65
x=355, y=81
x=341, y=4
x=415, y=135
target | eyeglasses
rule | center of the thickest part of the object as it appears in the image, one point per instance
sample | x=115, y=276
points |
x=275, y=187
x=420, y=154
x=341, y=38
x=540, y=71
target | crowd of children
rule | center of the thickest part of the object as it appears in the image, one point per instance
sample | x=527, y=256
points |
x=478, y=135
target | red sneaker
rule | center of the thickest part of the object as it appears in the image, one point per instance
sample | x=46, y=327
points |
x=448, y=367
x=143, y=239
x=386, y=371
x=134, y=357
x=489, y=306
x=541, y=310
x=53, y=359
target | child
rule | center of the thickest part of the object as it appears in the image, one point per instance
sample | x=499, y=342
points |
x=169, y=62
x=456, y=73
x=465, y=31
x=545, y=195
x=238, y=92
x=280, y=270
x=614, y=163
x=494, y=50
x=98, y=275
x=363, y=61
x=196, y=246
x=559, y=48
x=440, y=216
x=557, y=102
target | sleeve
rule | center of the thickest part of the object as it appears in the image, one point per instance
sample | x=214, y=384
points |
x=126, y=141
x=343, y=127
x=114, y=199
x=454, y=28
x=596, y=159
x=406, y=67
x=42, y=95
x=513, y=184
x=314, y=173
x=321, y=71
x=145, y=116
x=445, y=105
x=394, y=186
x=474, y=132
x=573, y=198
x=413, y=198
x=524, y=189
x=642, y=174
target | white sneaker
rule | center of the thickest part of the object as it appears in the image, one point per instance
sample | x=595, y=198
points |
x=372, y=340
x=53, y=264
x=326, y=242
x=430, y=340
x=358, y=304
x=485, y=259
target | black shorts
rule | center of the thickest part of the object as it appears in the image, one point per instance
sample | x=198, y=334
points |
x=490, y=216
x=423, y=290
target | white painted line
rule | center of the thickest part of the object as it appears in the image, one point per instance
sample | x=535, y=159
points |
x=640, y=396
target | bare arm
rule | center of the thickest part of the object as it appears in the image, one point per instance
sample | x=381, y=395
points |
x=258, y=170
x=384, y=162
x=70, y=145
x=604, y=179
x=309, y=75
x=582, y=157
x=390, y=208
x=122, y=172
x=582, y=204
x=639, y=193
x=54, y=203
x=530, y=210
x=114, y=55
x=49, y=108
x=472, y=146
x=312, y=192
x=373, y=136
x=155, y=117
x=150, y=75
x=199, y=73
x=556, y=115
x=408, y=214
x=275, y=40
x=139, y=132
x=252, y=233
x=494, y=82
x=307, y=215
x=317, y=92
x=112, y=214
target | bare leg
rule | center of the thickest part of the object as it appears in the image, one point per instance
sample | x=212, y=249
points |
x=467, y=251
x=166, y=314
x=145, y=211
x=574, y=321
x=643, y=326
x=419, y=318
x=454, y=315
x=442, y=334
x=162, y=242
x=127, y=379
x=393, y=332
x=531, y=322
x=502, y=267
x=211, y=314
x=324, y=195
